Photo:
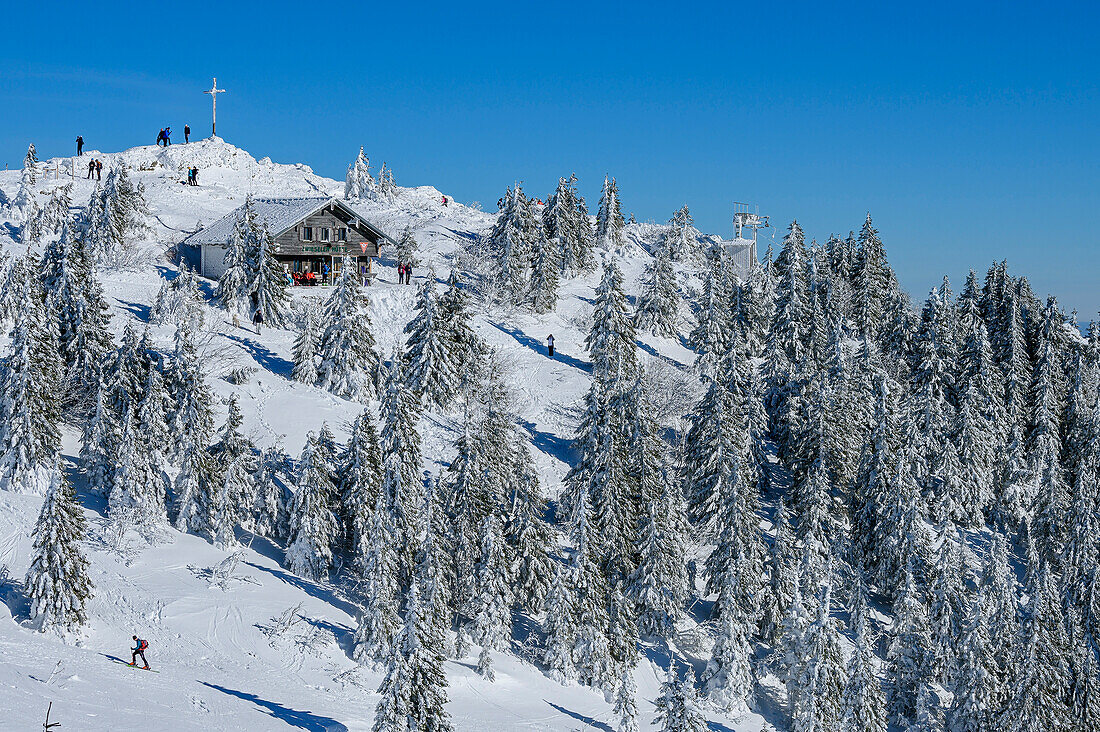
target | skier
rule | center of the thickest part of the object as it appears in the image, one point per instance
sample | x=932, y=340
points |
x=139, y=650
x=550, y=345
x=99, y=170
x=91, y=168
x=187, y=133
x=79, y=145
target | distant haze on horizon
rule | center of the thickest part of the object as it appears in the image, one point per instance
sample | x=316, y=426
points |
x=970, y=135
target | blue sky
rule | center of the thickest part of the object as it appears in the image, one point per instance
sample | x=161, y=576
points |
x=970, y=131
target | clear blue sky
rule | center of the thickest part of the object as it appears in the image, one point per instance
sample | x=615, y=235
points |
x=970, y=131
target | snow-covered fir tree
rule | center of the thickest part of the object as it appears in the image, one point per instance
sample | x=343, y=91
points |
x=512, y=243
x=430, y=367
x=357, y=480
x=387, y=186
x=75, y=299
x=116, y=213
x=413, y=692
x=347, y=359
x=58, y=584
x=681, y=241
x=359, y=183
x=658, y=308
x=313, y=530
x=305, y=349
x=863, y=705
x=492, y=603
x=378, y=561
x=907, y=668
x=609, y=217
x=626, y=706
x=30, y=406
x=24, y=207
x=546, y=267
x=678, y=706
x=399, y=492
x=816, y=704
x=565, y=221
x=192, y=424
x=406, y=248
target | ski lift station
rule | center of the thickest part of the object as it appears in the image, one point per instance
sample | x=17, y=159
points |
x=747, y=222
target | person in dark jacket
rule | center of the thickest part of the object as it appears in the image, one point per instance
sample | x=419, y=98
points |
x=187, y=133
x=91, y=168
x=408, y=274
x=160, y=137
x=79, y=145
x=139, y=650
x=550, y=345
x=99, y=170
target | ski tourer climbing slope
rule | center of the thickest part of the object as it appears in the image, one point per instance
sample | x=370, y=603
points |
x=139, y=648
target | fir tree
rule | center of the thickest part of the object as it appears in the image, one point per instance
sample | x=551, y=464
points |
x=871, y=282
x=711, y=337
x=973, y=698
x=313, y=530
x=626, y=707
x=565, y=220
x=680, y=241
x=492, y=603
x=359, y=183
x=414, y=689
x=357, y=480
x=192, y=424
x=58, y=585
x=30, y=407
x=464, y=344
x=270, y=509
x=546, y=267
x=116, y=213
x=817, y=705
x=305, y=350
x=430, y=362
x=348, y=362
x=792, y=307
x=512, y=242
x=99, y=445
x=559, y=628
x=609, y=217
x=400, y=485
x=406, y=248
x=863, y=706
x=906, y=664
x=678, y=707
x=378, y=560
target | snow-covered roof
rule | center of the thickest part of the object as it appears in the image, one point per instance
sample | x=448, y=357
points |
x=279, y=214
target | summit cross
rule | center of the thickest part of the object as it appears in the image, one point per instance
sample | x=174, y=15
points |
x=214, y=91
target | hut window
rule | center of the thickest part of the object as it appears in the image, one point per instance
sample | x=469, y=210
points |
x=307, y=233
x=342, y=234
x=323, y=233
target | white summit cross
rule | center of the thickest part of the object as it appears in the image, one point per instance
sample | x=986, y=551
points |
x=214, y=91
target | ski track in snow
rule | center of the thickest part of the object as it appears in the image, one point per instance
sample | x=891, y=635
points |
x=217, y=668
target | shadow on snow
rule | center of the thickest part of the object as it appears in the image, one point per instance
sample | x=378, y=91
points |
x=293, y=717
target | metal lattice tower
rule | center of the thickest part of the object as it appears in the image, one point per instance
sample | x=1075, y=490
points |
x=747, y=216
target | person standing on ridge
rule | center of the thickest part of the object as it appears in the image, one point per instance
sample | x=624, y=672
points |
x=139, y=649
x=91, y=168
x=550, y=345
x=79, y=145
x=160, y=137
x=99, y=170
x=187, y=133
x=167, y=136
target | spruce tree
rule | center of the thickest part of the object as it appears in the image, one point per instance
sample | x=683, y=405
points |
x=357, y=480
x=907, y=668
x=400, y=449
x=430, y=361
x=546, y=267
x=464, y=344
x=511, y=243
x=863, y=706
x=348, y=362
x=359, y=183
x=115, y=214
x=871, y=282
x=678, y=707
x=973, y=694
x=377, y=559
x=792, y=307
x=565, y=220
x=658, y=308
x=492, y=603
x=414, y=690
x=817, y=703
x=58, y=585
x=192, y=424
x=609, y=217
x=680, y=241
x=559, y=628
x=626, y=707
x=313, y=530
x=30, y=407
x=305, y=350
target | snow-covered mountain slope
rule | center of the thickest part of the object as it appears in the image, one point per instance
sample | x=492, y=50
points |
x=223, y=660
